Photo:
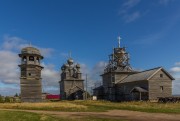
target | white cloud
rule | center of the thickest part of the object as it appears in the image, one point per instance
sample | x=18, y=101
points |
x=93, y=75
x=47, y=52
x=9, y=67
x=176, y=87
x=177, y=64
x=132, y=16
x=50, y=79
x=98, y=69
x=175, y=69
x=129, y=12
x=126, y=11
x=13, y=43
x=130, y=4
x=50, y=76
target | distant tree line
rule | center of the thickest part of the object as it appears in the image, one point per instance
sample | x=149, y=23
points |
x=9, y=99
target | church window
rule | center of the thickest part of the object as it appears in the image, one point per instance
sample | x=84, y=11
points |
x=161, y=88
x=124, y=88
x=37, y=59
x=24, y=59
x=161, y=75
x=113, y=79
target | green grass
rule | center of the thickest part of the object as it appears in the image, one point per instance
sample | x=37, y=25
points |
x=98, y=119
x=83, y=106
x=133, y=106
x=26, y=116
x=96, y=106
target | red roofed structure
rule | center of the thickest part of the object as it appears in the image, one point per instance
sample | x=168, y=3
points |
x=52, y=97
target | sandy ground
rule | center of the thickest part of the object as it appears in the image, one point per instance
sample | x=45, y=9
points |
x=117, y=114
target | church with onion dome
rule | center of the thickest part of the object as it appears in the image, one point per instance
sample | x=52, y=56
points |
x=71, y=84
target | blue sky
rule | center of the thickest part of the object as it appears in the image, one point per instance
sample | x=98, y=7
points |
x=89, y=28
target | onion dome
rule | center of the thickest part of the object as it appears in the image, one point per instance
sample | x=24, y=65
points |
x=78, y=66
x=70, y=61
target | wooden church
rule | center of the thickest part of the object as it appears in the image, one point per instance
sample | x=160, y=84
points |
x=121, y=83
x=71, y=84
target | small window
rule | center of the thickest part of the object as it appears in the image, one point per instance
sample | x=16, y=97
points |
x=37, y=58
x=29, y=74
x=24, y=58
x=161, y=88
x=31, y=58
x=124, y=88
x=161, y=75
x=113, y=79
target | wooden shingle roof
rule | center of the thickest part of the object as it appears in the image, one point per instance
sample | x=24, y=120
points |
x=145, y=75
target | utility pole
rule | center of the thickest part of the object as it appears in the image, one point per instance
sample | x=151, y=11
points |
x=86, y=87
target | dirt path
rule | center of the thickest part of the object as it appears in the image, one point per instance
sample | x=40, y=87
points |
x=117, y=114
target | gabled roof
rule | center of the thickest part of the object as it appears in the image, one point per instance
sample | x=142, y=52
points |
x=77, y=87
x=138, y=89
x=145, y=75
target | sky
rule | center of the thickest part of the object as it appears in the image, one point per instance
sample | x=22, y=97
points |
x=88, y=29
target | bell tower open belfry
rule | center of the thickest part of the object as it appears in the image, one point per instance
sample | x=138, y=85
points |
x=30, y=75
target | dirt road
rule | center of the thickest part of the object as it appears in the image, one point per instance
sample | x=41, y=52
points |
x=117, y=114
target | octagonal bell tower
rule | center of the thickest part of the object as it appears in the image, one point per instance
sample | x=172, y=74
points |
x=30, y=76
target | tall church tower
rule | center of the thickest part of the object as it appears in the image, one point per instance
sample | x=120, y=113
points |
x=117, y=69
x=71, y=84
x=30, y=77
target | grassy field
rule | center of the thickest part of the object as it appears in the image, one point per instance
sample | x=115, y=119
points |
x=96, y=106
x=26, y=116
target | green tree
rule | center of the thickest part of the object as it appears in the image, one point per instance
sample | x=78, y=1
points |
x=16, y=95
x=1, y=99
x=7, y=99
